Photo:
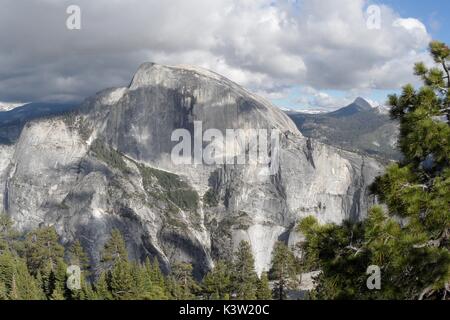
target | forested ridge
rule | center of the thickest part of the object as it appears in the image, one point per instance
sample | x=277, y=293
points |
x=34, y=266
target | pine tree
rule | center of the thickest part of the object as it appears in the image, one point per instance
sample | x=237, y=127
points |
x=57, y=295
x=3, y=292
x=283, y=271
x=156, y=276
x=102, y=291
x=18, y=283
x=154, y=287
x=120, y=280
x=7, y=270
x=43, y=251
x=217, y=283
x=119, y=277
x=140, y=281
x=8, y=235
x=147, y=270
x=55, y=280
x=264, y=292
x=331, y=249
x=26, y=285
x=40, y=283
x=244, y=278
x=418, y=189
x=114, y=250
x=77, y=257
x=13, y=292
x=87, y=292
x=182, y=284
x=410, y=240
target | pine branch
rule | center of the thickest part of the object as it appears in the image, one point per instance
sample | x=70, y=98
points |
x=447, y=289
x=435, y=243
x=431, y=243
x=357, y=250
x=426, y=292
x=408, y=185
x=446, y=69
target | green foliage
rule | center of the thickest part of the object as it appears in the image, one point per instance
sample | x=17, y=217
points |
x=40, y=254
x=42, y=250
x=283, y=271
x=16, y=282
x=8, y=236
x=217, y=283
x=119, y=277
x=74, y=120
x=108, y=155
x=332, y=249
x=120, y=280
x=115, y=249
x=409, y=242
x=173, y=188
x=263, y=291
x=3, y=292
x=126, y=280
x=153, y=281
x=77, y=256
x=182, y=285
x=102, y=291
x=38, y=270
x=244, y=278
x=211, y=198
x=156, y=276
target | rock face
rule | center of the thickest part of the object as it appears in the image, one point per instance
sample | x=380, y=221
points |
x=358, y=127
x=108, y=165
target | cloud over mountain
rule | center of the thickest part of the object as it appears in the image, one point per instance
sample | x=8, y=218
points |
x=265, y=45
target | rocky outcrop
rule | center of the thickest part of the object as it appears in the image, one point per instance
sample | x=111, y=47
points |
x=109, y=165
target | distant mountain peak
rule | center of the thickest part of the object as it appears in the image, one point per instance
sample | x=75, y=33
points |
x=362, y=103
x=361, y=126
x=359, y=105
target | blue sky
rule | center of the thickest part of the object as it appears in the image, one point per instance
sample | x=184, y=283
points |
x=435, y=14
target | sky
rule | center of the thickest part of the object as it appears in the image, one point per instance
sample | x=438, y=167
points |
x=300, y=54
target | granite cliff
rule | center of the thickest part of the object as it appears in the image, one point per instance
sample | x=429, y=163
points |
x=108, y=165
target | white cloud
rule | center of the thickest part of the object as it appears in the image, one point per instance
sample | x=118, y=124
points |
x=311, y=98
x=260, y=44
x=410, y=24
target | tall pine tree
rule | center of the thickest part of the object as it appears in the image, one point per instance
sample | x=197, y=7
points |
x=283, y=271
x=410, y=240
x=119, y=271
x=45, y=256
x=244, y=277
x=182, y=283
x=217, y=283
x=263, y=291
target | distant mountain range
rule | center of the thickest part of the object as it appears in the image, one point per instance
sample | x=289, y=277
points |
x=7, y=106
x=13, y=117
x=358, y=127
